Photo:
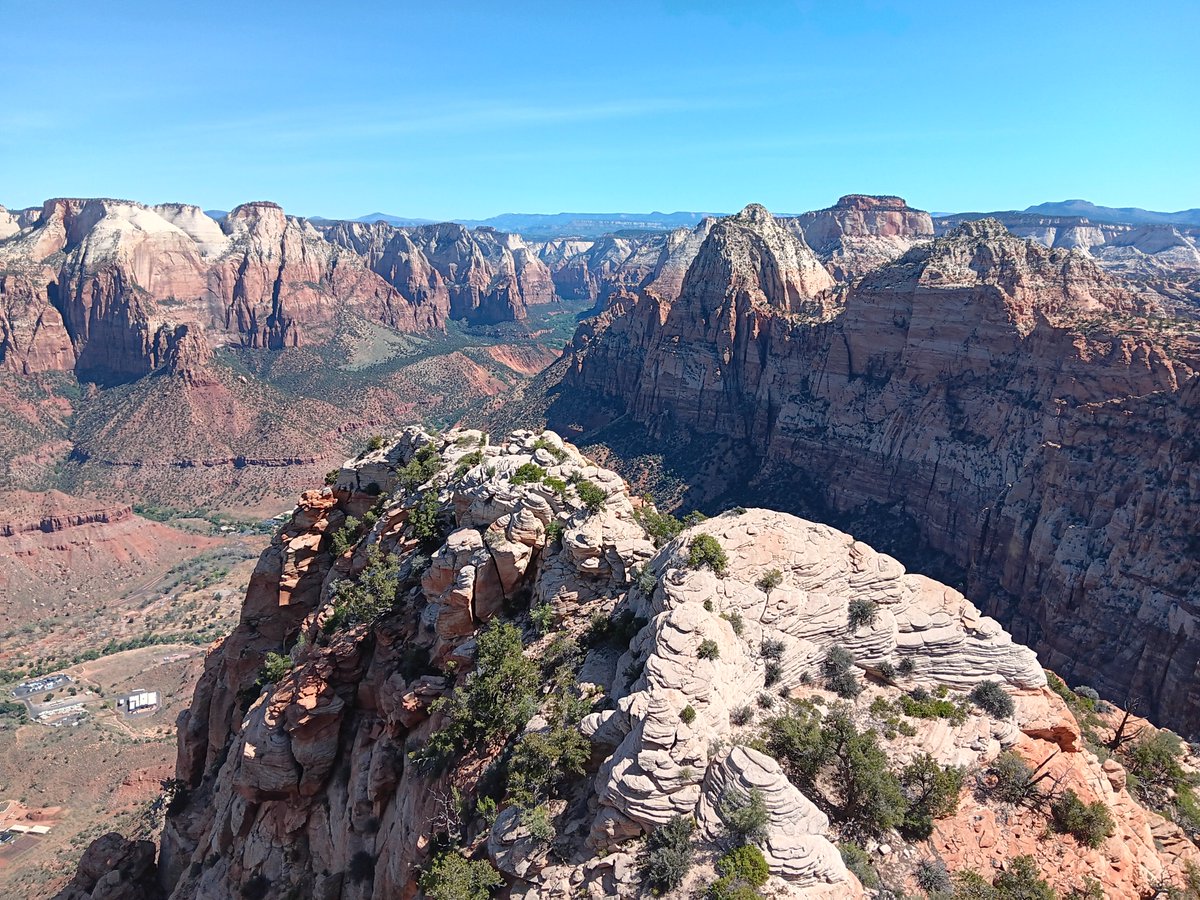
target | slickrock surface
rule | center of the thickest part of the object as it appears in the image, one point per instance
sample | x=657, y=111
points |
x=1014, y=412
x=314, y=785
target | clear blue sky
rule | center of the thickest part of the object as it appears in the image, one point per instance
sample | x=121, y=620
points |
x=463, y=109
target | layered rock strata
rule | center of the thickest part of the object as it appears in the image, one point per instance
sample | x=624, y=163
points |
x=1013, y=409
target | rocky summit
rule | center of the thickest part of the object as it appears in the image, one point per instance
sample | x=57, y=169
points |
x=470, y=664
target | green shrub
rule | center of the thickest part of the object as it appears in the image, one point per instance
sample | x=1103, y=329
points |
x=887, y=671
x=667, y=856
x=741, y=715
x=529, y=473
x=451, y=877
x=591, y=495
x=557, y=452
x=425, y=463
x=773, y=671
x=744, y=815
x=1153, y=761
x=661, y=527
x=1088, y=823
x=771, y=579
x=544, y=761
x=745, y=863
x=375, y=443
x=708, y=649
x=537, y=823
x=920, y=705
x=688, y=716
x=495, y=700
x=425, y=519
x=765, y=700
x=647, y=581
x=373, y=595
x=797, y=742
x=1011, y=780
x=554, y=531
x=771, y=649
x=862, y=612
x=731, y=889
x=542, y=617
x=332, y=476
x=1020, y=881
x=859, y=862
x=343, y=538
x=836, y=669
x=992, y=699
x=933, y=877
x=906, y=667
x=706, y=550
x=870, y=796
x=931, y=792
x=466, y=462
x=736, y=622
x=275, y=667
x=557, y=485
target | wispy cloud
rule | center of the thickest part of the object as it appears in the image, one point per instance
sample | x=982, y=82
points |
x=475, y=118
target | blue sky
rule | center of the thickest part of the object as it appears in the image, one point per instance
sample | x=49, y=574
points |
x=467, y=109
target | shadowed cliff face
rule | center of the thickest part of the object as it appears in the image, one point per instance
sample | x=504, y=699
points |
x=983, y=401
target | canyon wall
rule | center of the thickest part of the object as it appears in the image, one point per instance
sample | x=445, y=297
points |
x=1013, y=413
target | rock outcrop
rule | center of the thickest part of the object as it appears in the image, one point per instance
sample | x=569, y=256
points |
x=1161, y=258
x=984, y=404
x=861, y=232
x=326, y=772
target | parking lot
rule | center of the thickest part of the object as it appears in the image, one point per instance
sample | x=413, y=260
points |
x=40, y=685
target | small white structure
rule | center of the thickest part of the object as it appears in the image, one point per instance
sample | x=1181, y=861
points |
x=142, y=700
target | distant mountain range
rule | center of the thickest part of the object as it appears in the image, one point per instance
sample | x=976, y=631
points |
x=1085, y=209
x=591, y=225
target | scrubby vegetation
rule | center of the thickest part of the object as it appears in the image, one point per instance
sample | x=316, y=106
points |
x=770, y=579
x=862, y=612
x=1089, y=823
x=590, y=494
x=275, y=667
x=451, y=877
x=992, y=699
x=829, y=756
x=837, y=670
x=529, y=473
x=744, y=815
x=495, y=700
x=371, y=596
x=667, y=856
x=705, y=550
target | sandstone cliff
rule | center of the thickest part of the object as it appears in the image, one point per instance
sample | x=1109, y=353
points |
x=984, y=401
x=860, y=232
x=357, y=733
x=482, y=275
x=98, y=286
x=1161, y=258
